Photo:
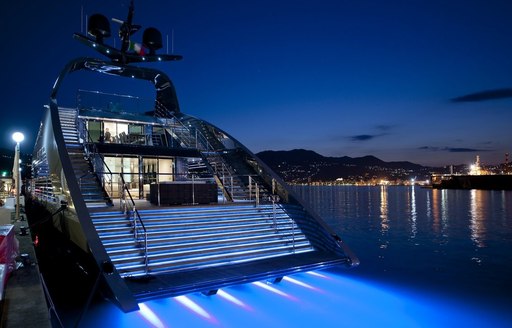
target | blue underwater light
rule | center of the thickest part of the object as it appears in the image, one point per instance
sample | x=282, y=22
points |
x=303, y=300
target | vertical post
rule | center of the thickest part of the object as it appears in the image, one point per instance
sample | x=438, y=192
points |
x=17, y=137
x=157, y=169
x=274, y=211
x=257, y=195
x=231, y=182
x=18, y=178
x=250, y=188
x=193, y=191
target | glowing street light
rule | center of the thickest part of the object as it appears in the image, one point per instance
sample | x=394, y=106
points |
x=17, y=137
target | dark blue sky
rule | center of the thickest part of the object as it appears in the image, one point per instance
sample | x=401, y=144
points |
x=340, y=77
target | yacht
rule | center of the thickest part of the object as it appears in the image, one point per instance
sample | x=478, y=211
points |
x=162, y=202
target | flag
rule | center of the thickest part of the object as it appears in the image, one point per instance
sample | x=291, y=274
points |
x=137, y=47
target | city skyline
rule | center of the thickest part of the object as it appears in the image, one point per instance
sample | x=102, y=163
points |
x=425, y=82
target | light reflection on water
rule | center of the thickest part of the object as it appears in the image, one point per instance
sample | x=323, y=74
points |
x=315, y=299
x=453, y=240
x=417, y=249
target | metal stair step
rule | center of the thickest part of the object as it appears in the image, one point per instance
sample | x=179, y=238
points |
x=175, y=266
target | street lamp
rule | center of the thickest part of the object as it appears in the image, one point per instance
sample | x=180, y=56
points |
x=17, y=137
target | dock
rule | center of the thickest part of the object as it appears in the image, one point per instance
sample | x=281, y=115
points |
x=23, y=301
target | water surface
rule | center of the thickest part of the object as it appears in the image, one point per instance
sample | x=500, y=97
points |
x=457, y=242
x=429, y=258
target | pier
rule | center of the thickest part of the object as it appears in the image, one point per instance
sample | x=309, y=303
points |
x=23, y=301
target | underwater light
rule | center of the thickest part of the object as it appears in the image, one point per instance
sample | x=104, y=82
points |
x=273, y=290
x=316, y=274
x=300, y=283
x=232, y=299
x=150, y=316
x=194, y=307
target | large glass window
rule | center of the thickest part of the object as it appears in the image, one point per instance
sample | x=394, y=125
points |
x=115, y=132
x=166, y=170
x=128, y=167
x=95, y=131
x=153, y=170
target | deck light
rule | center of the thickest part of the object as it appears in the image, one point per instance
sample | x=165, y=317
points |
x=17, y=137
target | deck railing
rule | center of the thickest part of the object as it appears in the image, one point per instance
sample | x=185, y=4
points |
x=135, y=219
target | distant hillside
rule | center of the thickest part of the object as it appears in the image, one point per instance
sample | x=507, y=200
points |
x=300, y=165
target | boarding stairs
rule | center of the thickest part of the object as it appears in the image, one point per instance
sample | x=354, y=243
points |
x=211, y=149
x=180, y=133
x=158, y=140
x=191, y=238
x=90, y=186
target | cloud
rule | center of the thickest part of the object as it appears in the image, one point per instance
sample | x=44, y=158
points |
x=366, y=137
x=484, y=95
x=453, y=149
x=429, y=148
x=363, y=137
x=464, y=150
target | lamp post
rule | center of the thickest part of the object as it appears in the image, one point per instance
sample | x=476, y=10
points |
x=17, y=137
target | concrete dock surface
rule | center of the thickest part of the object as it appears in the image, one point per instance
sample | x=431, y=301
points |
x=24, y=302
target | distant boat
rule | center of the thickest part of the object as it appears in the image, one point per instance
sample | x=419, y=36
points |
x=466, y=181
x=165, y=203
x=477, y=178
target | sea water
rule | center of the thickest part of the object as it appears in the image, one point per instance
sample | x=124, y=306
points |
x=453, y=242
x=429, y=258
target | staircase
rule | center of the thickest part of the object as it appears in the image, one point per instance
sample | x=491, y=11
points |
x=230, y=181
x=158, y=140
x=90, y=186
x=189, y=238
x=229, y=178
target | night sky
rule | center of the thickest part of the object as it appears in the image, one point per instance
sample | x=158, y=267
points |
x=423, y=81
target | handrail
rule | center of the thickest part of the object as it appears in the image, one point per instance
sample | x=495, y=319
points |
x=96, y=152
x=198, y=137
x=190, y=135
x=137, y=217
x=256, y=191
x=206, y=148
x=275, y=202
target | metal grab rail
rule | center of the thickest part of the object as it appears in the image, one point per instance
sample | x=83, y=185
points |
x=188, y=133
x=257, y=191
x=275, y=203
x=96, y=154
x=198, y=138
x=135, y=218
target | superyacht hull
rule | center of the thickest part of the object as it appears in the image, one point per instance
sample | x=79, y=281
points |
x=163, y=203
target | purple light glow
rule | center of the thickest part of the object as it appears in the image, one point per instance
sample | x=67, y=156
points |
x=303, y=300
x=273, y=290
x=300, y=283
x=150, y=316
x=232, y=299
x=194, y=307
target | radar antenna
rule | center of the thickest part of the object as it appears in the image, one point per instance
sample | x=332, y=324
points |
x=130, y=52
